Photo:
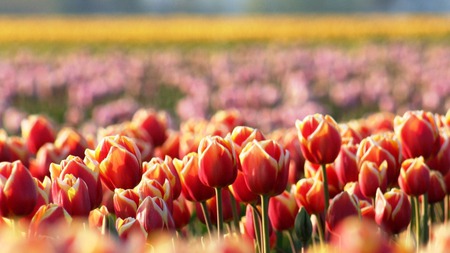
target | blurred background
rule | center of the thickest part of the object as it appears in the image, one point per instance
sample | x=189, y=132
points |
x=94, y=63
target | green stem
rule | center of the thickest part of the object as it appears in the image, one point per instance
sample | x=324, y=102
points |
x=234, y=209
x=265, y=223
x=425, y=228
x=207, y=218
x=417, y=222
x=257, y=226
x=433, y=213
x=320, y=230
x=291, y=241
x=325, y=186
x=219, y=212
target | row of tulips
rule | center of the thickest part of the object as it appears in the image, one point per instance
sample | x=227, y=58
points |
x=272, y=85
x=217, y=185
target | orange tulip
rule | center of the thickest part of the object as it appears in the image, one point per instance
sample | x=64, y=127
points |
x=72, y=193
x=283, y=210
x=47, y=218
x=130, y=228
x=371, y=177
x=126, y=203
x=72, y=141
x=162, y=170
x=320, y=139
x=414, y=177
x=309, y=194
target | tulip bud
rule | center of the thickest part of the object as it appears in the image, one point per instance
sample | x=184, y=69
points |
x=372, y=177
x=46, y=218
x=72, y=194
x=346, y=165
x=230, y=118
x=367, y=210
x=249, y=226
x=191, y=186
x=217, y=161
x=414, y=177
x=46, y=155
x=154, y=215
x=17, y=189
x=418, y=133
x=392, y=210
x=320, y=139
x=154, y=123
x=130, y=228
x=309, y=194
x=342, y=206
x=72, y=141
x=283, y=210
x=150, y=187
x=181, y=214
x=162, y=170
x=437, y=189
x=119, y=161
x=440, y=161
x=98, y=217
x=303, y=226
x=37, y=130
x=265, y=167
x=126, y=203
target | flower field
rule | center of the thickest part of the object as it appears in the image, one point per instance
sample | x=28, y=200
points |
x=283, y=140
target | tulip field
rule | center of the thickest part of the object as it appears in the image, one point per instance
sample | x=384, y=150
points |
x=256, y=146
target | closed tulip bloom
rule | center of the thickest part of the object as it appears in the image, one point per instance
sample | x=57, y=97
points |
x=367, y=210
x=191, y=186
x=320, y=139
x=154, y=123
x=392, y=210
x=437, y=189
x=440, y=160
x=379, y=148
x=119, y=161
x=309, y=194
x=14, y=148
x=372, y=177
x=241, y=192
x=37, y=130
x=46, y=155
x=154, y=215
x=283, y=210
x=126, y=203
x=314, y=170
x=241, y=135
x=349, y=134
x=162, y=170
x=418, y=133
x=78, y=168
x=130, y=228
x=217, y=161
x=18, y=190
x=72, y=194
x=47, y=218
x=151, y=187
x=72, y=141
x=265, y=165
x=342, y=206
x=181, y=214
x=346, y=165
x=414, y=177
x=97, y=217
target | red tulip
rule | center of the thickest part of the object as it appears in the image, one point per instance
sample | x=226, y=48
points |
x=440, y=160
x=249, y=227
x=18, y=190
x=162, y=170
x=170, y=147
x=217, y=161
x=154, y=123
x=181, y=214
x=414, y=177
x=46, y=155
x=349, y=134
x=342, y=206
x=379, y=148
x=131, y=228
x=154, y=215
x=191, y=186
x=14, y=148
x=372, y=177
x=72, y=193
x=73, y=142
x=126, y=203
x=230, y=118
x=119, y=160
x=392, y=210
x=283, y=210
x=77, y=167
x=320, y=139
x=437, y=189
x=37, y=130
x=265, y=167
x=314, y=170
x=346, y=165
x=367, y=210
x=418, y=133
x=47, y=218
x=241, y=192
x=309, y=194
x=151, y=187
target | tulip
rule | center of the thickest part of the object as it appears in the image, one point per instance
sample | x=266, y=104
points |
x=154, y=123
x=97, y=218
x=392, y=210
x=119, y=161
x=371, y=177
x=418, y=134
x=380, y=148
x=251, y=229
x=150, y=187
x=126, y=203
x=170, y=147
x=353, y=189
x=18, y=191
x=414, y=177
x=346, y=165
x=181, y=214
x=46, y=155
x=342, y=206
x=154, y=215
x=77, y=167
x=230, y=118
x=283, y=210
x=131, y=228
x=37, y=130
x=162, y=170
x=46, y=218
x=241, y=192
x=309, y=194
x=367, y=210
x=440, y=160
x=314, y=170
x=437, y=189
x=14, y=148
x=191, y=186
x=72, y=193
x=349, y=134
x=72, y=141
x=320, y=139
